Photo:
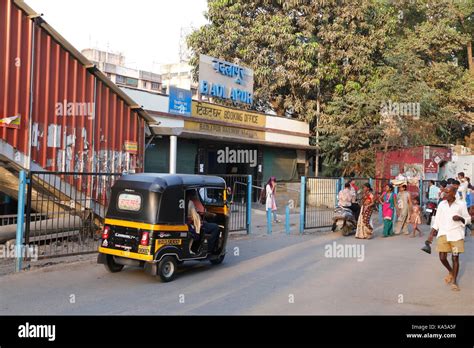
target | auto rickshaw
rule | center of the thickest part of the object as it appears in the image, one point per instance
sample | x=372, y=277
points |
x=146, y=224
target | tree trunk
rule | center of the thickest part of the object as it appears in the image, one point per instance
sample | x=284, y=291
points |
x=469, y=57
x=385, y=150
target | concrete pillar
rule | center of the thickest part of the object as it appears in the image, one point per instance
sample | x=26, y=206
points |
x=173, y=152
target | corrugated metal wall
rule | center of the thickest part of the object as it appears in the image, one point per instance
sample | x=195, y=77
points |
x=79, y=124
x=15, y=67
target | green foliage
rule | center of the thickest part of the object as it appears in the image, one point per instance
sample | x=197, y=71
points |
x=349, y=58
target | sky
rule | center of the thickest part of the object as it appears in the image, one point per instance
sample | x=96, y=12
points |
x=147, y=32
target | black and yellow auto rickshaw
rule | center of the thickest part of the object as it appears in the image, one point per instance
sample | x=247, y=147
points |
x=147, y=223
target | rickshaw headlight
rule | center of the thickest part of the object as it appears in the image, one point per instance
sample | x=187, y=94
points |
x=145, y=238
x=105, y=232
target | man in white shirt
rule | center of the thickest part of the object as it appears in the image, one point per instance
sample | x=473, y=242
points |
x=448, y=226
x=345, y=196
x=433, y=193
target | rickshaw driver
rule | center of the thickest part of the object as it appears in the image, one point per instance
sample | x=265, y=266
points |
x=206, y=227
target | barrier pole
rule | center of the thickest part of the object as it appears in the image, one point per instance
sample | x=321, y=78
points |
x=269, y=221
x=287, y=219
x=20, y=220
x=249, y=204
x=302, y=203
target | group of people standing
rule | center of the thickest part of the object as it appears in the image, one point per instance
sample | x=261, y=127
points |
x=407, y=210
x=402, y=206
x=362, y=213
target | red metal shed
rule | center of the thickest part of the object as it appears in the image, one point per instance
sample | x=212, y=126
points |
x=424, y=161
x=77, y=118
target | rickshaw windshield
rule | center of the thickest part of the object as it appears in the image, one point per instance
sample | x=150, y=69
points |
x=212, y=196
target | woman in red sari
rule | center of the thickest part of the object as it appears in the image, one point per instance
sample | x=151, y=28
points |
x=364, y=224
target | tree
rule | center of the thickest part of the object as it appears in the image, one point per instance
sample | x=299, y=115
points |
x=334, y=63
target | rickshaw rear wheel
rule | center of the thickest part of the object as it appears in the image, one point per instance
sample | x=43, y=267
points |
x=218, y=261
x=111, y=265
x=167, y=268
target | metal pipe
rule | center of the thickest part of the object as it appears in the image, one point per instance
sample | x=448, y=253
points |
x=249, y=204
x=302, y=203
x=30, y=113
x=20, y=221
x=269, y=221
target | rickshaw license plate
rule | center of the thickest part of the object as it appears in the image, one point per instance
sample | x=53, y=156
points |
x=169, y=242
x=428, y=210
x=142, y=249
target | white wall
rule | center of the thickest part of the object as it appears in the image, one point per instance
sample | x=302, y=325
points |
x=286, y=139
x=461, y=163
x=287, y=124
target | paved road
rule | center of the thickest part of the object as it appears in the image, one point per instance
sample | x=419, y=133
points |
x=267, y=274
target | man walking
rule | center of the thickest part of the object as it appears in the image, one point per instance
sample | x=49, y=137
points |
x=448, y=226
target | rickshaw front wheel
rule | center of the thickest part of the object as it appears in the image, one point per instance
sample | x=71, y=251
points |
x=111, y=265
x=167, y=268
x=217, y=261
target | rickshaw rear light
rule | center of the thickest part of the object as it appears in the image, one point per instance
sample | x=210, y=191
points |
x=145, y=238
x=105, y=232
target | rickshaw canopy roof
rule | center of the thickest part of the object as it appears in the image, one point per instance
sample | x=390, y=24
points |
x=159, y=182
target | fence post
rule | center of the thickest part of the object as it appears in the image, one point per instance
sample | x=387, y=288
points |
x=287, y=219
x=20, y=220
x=302, y=203
x=339, y=187
x=29, y=182
x=249, y=204
x=269, y=221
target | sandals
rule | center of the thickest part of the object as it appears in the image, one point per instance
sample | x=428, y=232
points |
x=455, y=287
x=448, y=279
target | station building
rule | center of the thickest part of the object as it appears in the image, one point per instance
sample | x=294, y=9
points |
x=215, y=139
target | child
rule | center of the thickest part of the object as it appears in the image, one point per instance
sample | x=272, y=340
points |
x=415, y=217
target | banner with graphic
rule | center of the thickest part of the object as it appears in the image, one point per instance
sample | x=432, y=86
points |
x=10, y=122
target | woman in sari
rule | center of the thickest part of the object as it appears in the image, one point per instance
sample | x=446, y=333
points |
x=388, y=200
x=364, y=224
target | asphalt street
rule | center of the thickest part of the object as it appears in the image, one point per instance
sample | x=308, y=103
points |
x=262, y=274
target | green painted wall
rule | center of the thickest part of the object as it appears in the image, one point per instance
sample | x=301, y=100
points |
x=280, y=163
x=157, y=156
